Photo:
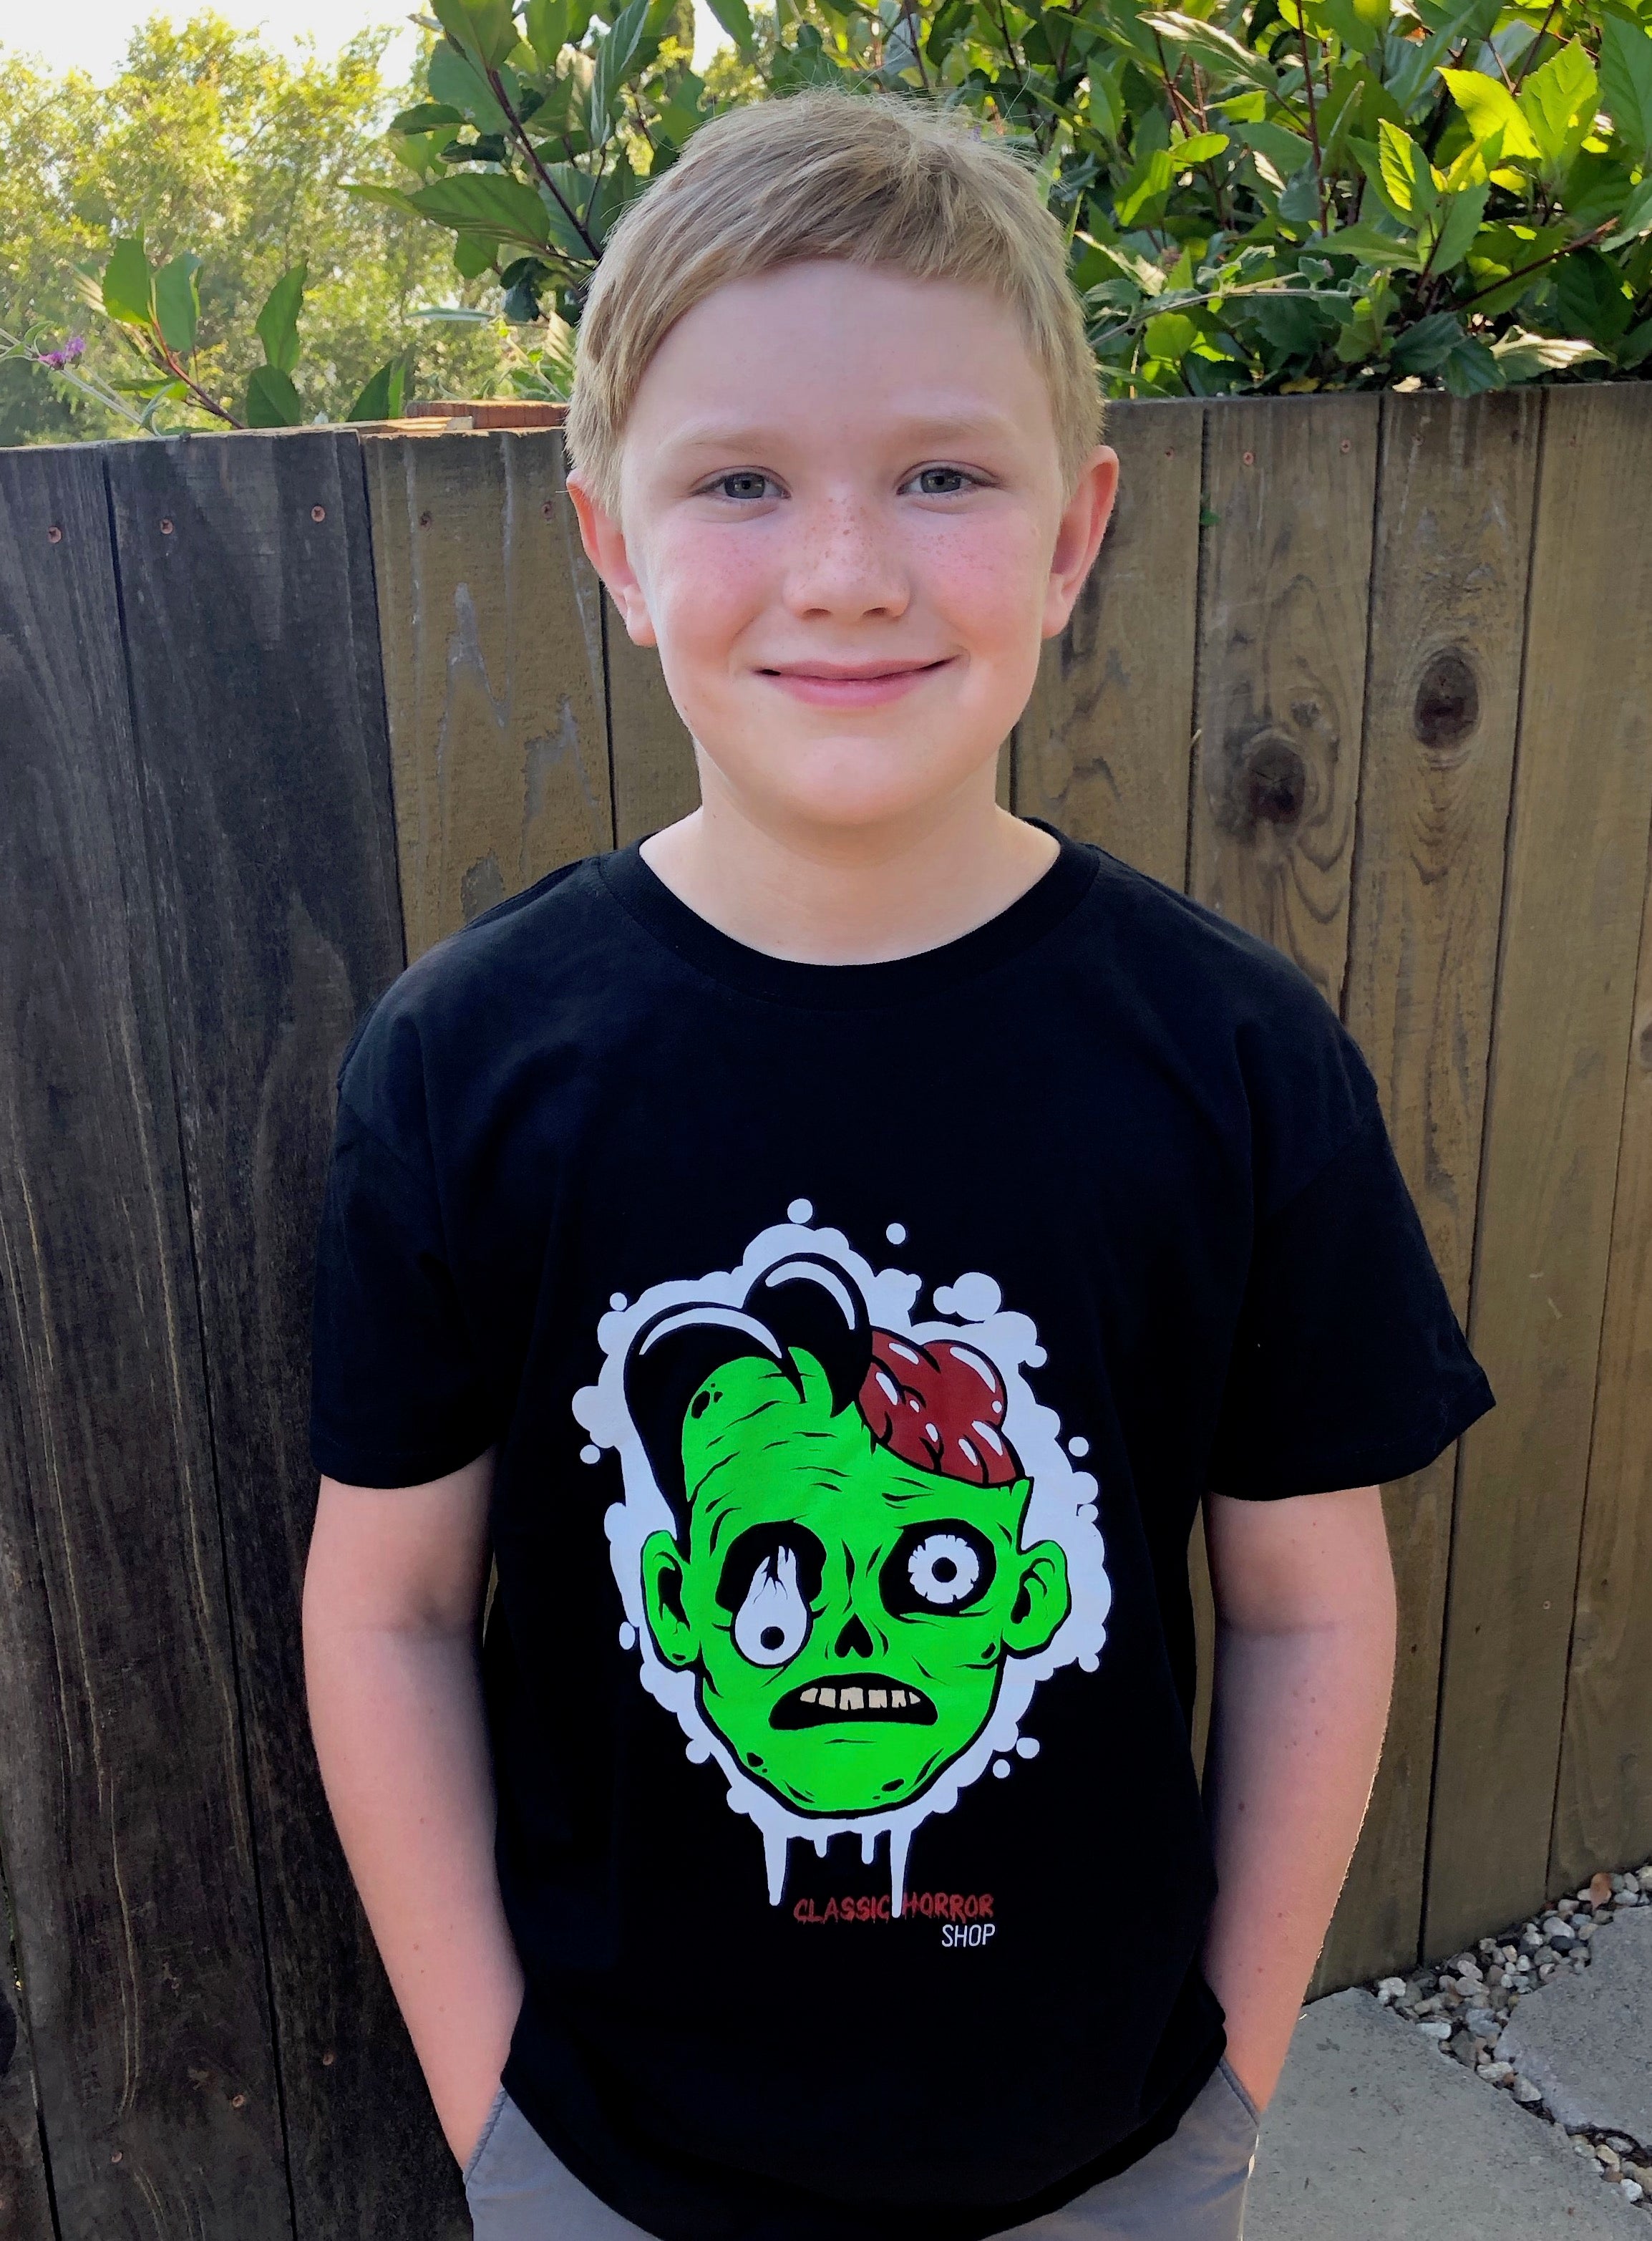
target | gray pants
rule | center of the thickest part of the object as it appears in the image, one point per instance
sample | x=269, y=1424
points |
x=1189, y=2188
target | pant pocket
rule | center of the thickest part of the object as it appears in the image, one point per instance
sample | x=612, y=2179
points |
x=1253, y=2114
x=489, y=2122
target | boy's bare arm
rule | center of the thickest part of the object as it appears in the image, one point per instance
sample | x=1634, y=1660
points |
x=391, y=1601
x=1305, y=1634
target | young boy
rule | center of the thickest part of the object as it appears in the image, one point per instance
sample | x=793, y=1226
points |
x=829, y=1253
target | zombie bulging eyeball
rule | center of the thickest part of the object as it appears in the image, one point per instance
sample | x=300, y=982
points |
x=845, y=1577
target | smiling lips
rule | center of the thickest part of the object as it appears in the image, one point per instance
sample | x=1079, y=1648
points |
x=870, y=1697
x=863, y=685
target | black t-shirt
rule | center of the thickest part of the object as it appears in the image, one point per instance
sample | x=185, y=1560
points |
x=858, y=1342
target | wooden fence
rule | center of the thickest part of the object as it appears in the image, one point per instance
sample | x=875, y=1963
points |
x=1371, y=676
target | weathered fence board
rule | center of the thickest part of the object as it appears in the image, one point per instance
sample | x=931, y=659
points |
x=655, y=780
x=490, y=619
x=125, y=1804
x=272, y=843
x=1565, y=998
x=1448, y=610
x=1604, y=1808
x=1102, y=750
x=1282, y=669
x=25, y=2191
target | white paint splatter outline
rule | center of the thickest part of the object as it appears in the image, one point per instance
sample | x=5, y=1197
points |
x=1061, y=1507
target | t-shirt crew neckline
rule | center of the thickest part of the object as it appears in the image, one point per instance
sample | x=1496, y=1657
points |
x=1052, y=897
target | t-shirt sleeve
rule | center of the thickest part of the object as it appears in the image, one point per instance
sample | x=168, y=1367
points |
x=397, y=1397
x=1348, y=1366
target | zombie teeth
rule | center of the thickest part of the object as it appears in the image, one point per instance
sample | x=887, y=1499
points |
x=875, y=1697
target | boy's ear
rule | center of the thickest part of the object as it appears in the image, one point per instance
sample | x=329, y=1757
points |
x=604, y=543
x=1077, y=540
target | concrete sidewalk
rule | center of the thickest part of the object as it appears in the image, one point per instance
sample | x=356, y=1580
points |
x=1373, y=2134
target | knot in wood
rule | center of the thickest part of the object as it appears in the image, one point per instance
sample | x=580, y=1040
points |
x=1447, y=707
x=1267, y=779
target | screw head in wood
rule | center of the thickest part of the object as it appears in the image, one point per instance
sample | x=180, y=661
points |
x=1250, y=458
x=328, y=2059
x=238, y=2100
x=317, y=513
x=54, y=535
x=1170, y=450
x=167, y=527
x=115, y=2158
x=547, y=509
x=1347, y=445
x=424, y=521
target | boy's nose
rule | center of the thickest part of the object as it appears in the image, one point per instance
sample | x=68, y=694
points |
x=845, y=565
x=853, y=1641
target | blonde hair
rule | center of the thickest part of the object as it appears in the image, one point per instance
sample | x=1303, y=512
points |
x=875, y=179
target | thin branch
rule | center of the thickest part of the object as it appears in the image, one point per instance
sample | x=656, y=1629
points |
x=1313, y=131
x=917, y=51
x=1543, y=33
x=520, y=134
x=1584, y=240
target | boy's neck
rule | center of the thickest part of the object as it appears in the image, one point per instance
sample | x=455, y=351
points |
x=849, y=895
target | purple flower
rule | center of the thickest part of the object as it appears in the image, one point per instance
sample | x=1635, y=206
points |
x=70, y=350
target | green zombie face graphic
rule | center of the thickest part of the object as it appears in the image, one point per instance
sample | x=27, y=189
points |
x=846, y=1577
x=847, y=1612
x=851, y=1544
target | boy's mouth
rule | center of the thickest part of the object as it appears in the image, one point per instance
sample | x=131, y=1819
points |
x=852, y=685
x=871, y=1697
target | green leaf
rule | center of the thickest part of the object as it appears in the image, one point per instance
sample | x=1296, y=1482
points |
x=736, y=19
x=1425, y=347
x=1218, y=50
x=1470, y=369
x=1558, y=102
x=1371, y=247
x=272, y=402
x=277, y=325
x=1636, y=346
x=614, y=58
x=381, y=399
x=1523, y=356
x=456, y=83
x=1407, y=176
x=177, y=303
x=1450, y=232
x=1591, y=297
x=1152, y=179
x=1197, y=148
x=473, y=255
x=1287, y=151
x=129, y=284
x=1170, y=334
x=1636, y=219
x=424, y=117
x=488, y=203
x=368, y=190
x=1626, y=81
x=484, y=30
x=1492, y=113
x=547, y=22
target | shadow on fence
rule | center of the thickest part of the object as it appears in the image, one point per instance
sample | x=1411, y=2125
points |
x=1369, y=675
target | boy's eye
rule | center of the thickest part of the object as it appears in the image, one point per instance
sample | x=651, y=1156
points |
x=746, y=483
x=942, y=482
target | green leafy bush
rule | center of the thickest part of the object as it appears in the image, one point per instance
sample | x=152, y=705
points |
x=157, y=314
x=1279, y=195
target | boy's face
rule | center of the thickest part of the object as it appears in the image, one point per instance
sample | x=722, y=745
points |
x=843, y=524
